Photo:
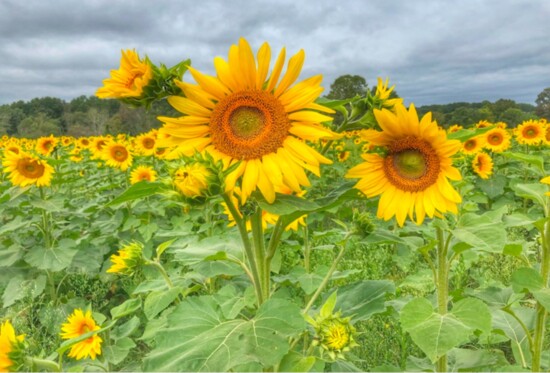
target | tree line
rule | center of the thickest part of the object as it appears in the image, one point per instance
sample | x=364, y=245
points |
x=89, y=116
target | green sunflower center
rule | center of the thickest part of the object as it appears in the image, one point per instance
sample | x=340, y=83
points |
x=410, y=164
x=530, y=132
x=247, y=122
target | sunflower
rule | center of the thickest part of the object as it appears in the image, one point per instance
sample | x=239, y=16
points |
x=117, y=155
x=25, y=169
x=142, y=173
x=83, y=142
x=127, y=260
x=192, y=180
x=483, y=124
x=343, y=155
x=129, y=80
x=10, y=347
x=81, y=323
x=97, y=145
x=46, y=145
x=530, y=132
x=412, y=177
x=454, y=128
x=497, y=140
x=473, y=145
x=145, y=143
x=383, y=93
x=482, y=165
x=243, y=116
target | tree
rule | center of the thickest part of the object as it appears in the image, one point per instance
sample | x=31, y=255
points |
x=543, y=104
x=347, y=86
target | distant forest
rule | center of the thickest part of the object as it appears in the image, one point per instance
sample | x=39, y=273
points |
x=89, y=116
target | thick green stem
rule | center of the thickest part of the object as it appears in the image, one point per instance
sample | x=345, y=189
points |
x=248, y=250
x=540, y=321
x=259, y=252
x=162, y=271
x=42, y=364
x=328, y=276
x=442, y=283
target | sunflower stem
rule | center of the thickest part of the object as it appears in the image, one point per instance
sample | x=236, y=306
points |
x=259, y=252
x=249, y=252
x=442, y=282
x=540, y=321
x=43, y=364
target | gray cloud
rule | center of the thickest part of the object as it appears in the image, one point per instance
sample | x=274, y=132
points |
x=433, y=51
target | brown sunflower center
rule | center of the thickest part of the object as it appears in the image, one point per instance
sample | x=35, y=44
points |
x=148, y=143
x=249, y=124
x=412, y=164
x=495, y=139
x=145, y=175
x=119, y=153
x=30, y=168
x=470, y=144
x=530, y=132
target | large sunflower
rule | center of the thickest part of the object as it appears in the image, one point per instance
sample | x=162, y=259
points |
x=25, y=169
x=243, y=116
x=412, y=177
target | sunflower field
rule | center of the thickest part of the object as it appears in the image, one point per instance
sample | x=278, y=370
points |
x=269, y=229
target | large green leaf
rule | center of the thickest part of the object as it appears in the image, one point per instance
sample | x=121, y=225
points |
x=157, y=301
x=199, y=338
x=535, y=160
x=482, y=232
x=437, y=334
x=534, y=192
x=19, y=288
x=363, y=299
x=193, y=252
x=54, y=259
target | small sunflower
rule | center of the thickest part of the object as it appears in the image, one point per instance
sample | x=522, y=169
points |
x=454, y=128
x=482, y=165
x=383, y=93
x=243, y=116
x=483, y=124
x=83, y=142
x=343, y=155
x=413, y=176
x=141, y=173
x=25, y=169
x=145, y=143
x=129, y=80
x=473, y=145
x=79, y=323
x=117, y=155
x=497, y=140
x=46, y=145
x=96, y=146
x=127, y=260
x=192, y=180
x=11, y=347
x=530, y=132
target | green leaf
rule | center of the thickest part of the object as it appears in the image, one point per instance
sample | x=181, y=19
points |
x=473, y=360
x=513, y=249
x=466, y=134
x=136, y=191
x=435, y=334
x=494, y=186
x=497, y=297
x=13, y=225
x=117, y=352
x=126, y=308
x=19, y=288
x=526, y=278
x=126, y=329
x=363, y=299
x=157, y=301
x=473, y=313
x=481, y=232
x=163, y=246
x=54, y=259
x=231, y=303
x=533, y=192
x=535, y=160
x=194, y=251
x=543, y=297
x=328, y=307
x=295, y=362
x=199, y=338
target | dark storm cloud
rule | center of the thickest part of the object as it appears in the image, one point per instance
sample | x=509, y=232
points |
x=434, y=51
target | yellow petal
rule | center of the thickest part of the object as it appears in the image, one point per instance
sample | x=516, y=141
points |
x=274, y=78
x=210, y=84
x=247, y=64
x=188, y=107
x=264, y=58
x=293, y=71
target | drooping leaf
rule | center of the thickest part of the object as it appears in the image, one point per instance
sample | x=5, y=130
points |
x=136, y=191
x=363, y=299
x=157, y=301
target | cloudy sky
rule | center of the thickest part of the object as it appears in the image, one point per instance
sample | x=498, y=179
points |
x=434, y=51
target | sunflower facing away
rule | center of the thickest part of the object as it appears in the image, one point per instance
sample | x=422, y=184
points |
x=482, y=165
x=127, y=260
x=242, y=115
x=10, y=345
x=81, y=323
x=412, y=177
x=129, y=80
x=25, y=169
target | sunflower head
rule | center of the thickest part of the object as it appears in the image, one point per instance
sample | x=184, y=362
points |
x=412, y=175
x=454, y=128
x=530, y=132
x=77, y=324
x=133, y=75
x=46, y=145
x=333, y=333
x=117, y=155
x=473, y=145
x=497, y=140
x=127, y=260
x=25, y=169
x=247, y=115
x=142, y=173
x=193, y=179
x=12, y=349
x=482, y=165
x=384, y=96
x=145, y=144
x=483, y=124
